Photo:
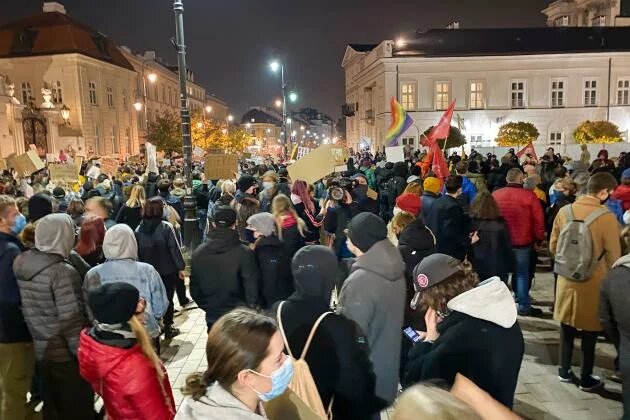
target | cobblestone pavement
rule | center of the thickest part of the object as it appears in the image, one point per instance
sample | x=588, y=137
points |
x=539, y=394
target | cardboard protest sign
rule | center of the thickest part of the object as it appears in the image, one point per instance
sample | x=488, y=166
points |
x=109, y=165
x=341, y=168
x=10, y=160
x=316, y=165
x=395, y=154
x=63, y=172
x=301, y=152
x=220, y=166
x=28, y=163
x=3, y=164
x=340, y=153
x=134, y=159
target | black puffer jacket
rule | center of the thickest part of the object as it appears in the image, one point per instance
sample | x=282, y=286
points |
x=492, y=255
x=275, y=269
x=224, y=274
x=131, y=216
x=13, y=328
x=338, y=355
x=158, y=246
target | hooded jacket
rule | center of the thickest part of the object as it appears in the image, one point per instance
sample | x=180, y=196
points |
x=50, y=288
x=614, y=312
x=428, y=198
x=451, y=226
x=224, y=274
x=121, y=265
x=13, y=328
x=217, y=404
x=126, y=380
x=275, y=269
x=158, y=246
x=374, y=297
x=338, y=355
x=493, y=254
x=480, y=339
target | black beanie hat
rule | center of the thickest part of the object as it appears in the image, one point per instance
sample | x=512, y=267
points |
x=245, y=182
x=113, y=303
x=365, y=229
x=39, y=205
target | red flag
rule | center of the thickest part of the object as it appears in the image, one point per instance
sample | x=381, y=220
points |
x=527, y=150
x=439, y=131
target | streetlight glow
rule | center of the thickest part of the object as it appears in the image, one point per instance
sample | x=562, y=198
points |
x=278, y=103
x=302, y=128
x=208, y=108
x=274, y=66
x=248, y=125
x=293, y=96
x=289, y=120
x=152, y=77
x=138, y=106
x=199, y=125
x=230, y=118
x=400, y=42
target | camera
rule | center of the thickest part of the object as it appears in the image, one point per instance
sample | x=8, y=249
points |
x=338, y=187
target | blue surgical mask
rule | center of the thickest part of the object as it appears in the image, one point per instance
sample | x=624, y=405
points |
x=268, y=185
x=18, y=224
x=280, y=380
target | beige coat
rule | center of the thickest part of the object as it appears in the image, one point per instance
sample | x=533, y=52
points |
x=577, y=304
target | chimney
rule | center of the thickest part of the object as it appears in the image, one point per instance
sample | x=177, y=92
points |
x=149, y=55
x=453, y=25
x=54, y=7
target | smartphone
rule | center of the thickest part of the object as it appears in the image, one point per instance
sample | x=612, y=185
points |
x=411, y=334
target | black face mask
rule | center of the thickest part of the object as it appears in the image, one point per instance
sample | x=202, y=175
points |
x=360, y=191
x=602, y=202
x=249, y=236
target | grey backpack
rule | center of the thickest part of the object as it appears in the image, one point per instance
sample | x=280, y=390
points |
x=574, y=259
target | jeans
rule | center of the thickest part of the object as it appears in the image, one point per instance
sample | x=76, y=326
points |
x=589, y=339
x=521, y=276
x=17, y=361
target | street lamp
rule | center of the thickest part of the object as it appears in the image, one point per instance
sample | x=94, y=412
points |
x=65, y=114
x=275, y=66
x=208, y=109
x=230, y=118
x=293, y=96
x=152, y=77
x=278, y=103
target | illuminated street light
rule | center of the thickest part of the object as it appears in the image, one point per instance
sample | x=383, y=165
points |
x=248, y=125
x=302, y=128
x=199, y=125
x=230, y=118
x=152, y=77
x=138, y=105
x=274, y=66
x=293, y=96
x=401, y=42
x=208, y=109
x=278, y=103
x=289, y=120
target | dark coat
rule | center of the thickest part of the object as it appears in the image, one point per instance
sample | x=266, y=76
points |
x=13, y=328
x=492, y=255
x=313, y=231
x=614, y=311
x=275, y=269
x=158, y=246
x=451, y=227
x=224, y=274
x=131, y=216
x=428, y=198
x=496, y=179
x=292, y=240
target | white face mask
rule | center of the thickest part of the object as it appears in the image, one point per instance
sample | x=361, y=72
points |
x=396, y=211
x=267, y=185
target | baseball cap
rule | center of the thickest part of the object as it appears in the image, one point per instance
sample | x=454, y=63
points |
x=431, y=271
x=224, y=216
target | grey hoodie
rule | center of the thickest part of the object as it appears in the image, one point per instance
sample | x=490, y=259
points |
x=614, y=311
x=374, y=297
x=121, y=251
x=217, y=404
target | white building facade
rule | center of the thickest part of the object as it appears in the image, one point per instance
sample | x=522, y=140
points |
x=588, y=13
x=533, y=75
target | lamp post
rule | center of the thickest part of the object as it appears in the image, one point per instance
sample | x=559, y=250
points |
x=191, y=228
x=274, y=65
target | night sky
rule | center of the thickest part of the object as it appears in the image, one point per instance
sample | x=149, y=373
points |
x=230, y=42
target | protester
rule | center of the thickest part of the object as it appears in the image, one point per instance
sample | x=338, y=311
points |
x=17, y=357
x=360, y=196
x=101, y=207
x=577, y=299
x=401, y=220
x=76, y=209
x=246, y=365
x=409, y=202
x=90, y=244
x=471, y=329
x=524, y=217
x=622, y=192
x=131, y=212
x=431, y=187
x=374, y=297
x=54, y=311
x=59, y=194
x=291, y=229
x=121, y=252
x=395, y=186
x=492, y=255
x=117, y=359
x=307, y=209
x=158, y=246
x=163, y=186
x=469, y=191
x=224, y=273
x=273, y=261
x=269, y=192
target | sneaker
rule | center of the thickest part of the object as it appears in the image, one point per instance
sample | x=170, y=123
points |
x=170, y=332
x=591, y=383
x=533, y=312
x=191, y=304
x=565, y=375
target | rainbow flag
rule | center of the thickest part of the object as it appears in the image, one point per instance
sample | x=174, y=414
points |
x=400, y=123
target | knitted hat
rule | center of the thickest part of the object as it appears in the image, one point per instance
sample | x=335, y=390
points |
x=432, y=185
x=245, y=182
x=39, y=205
x=59, y=193
x=365, y=229
x=113, y=303
x=411, y=203
x=263, y=223
x=224, y=216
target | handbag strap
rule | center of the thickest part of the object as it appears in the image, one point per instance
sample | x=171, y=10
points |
x=310, y=336
x=284, y=337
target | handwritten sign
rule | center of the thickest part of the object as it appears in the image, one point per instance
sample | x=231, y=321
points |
x=63, y=172
x=316, y=165
x=220, y=166
x=28, y=163
x=302, y=151
x=109, y=165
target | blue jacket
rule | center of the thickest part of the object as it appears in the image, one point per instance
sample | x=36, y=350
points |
x=13, y=328
x=469, y=189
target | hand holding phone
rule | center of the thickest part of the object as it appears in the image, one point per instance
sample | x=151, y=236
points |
x=413, y=335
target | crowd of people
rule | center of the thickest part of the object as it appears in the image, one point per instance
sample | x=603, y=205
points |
x=378, y=278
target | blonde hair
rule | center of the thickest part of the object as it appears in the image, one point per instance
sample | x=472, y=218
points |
x=398, y=224
x=280, y=206
x=425, y=401
x=137, y=197
x=228, y=187
x=414, y=188
x=144, y=341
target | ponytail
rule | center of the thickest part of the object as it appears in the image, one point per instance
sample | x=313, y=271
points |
x=146, y=346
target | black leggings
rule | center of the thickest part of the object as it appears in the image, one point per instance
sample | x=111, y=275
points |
x=170, y=281
x=589, y=339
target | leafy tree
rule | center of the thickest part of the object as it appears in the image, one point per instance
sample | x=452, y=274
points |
x=517, y=134
x=597, y=132
x=455, y=138
x=165, y=132
x=209, y=134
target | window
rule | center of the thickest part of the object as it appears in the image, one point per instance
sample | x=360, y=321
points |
x=477, y=95
x=110, y=96
x=125, y=99
x=57, y=94
x=408, y=96
x=561, y=21
x=170, y=96
x=92, y=90
x=476, y=141
x=518, y=93
x=163, y=94
x=442, y=95
x=555, y=138
x=115, y=146
x=590, y=92
x=27, y=93
x=623, y=91
x=599, y=21
x=128, y=140
x=409, y=141
x=97, y=139
x=557, y=94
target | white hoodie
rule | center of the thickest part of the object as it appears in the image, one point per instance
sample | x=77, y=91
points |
x=490, y=301
x=217, y=404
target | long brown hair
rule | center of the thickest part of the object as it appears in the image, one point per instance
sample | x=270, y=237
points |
x=238, y=340
x=485, y=206
x=280, y=206
x=438, y=296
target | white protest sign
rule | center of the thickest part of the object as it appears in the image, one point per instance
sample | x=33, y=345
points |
x=395, y=154
x=152, y=159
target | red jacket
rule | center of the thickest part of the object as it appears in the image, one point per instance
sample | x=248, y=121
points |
x=622, y=193
x=126, y=380
x=523, y=214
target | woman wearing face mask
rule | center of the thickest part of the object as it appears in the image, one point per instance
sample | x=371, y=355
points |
x=274, y=265
x=269, y=192
x=246, y=366
x=291, y=229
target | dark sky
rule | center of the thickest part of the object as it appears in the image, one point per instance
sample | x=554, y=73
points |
x=230, y=42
